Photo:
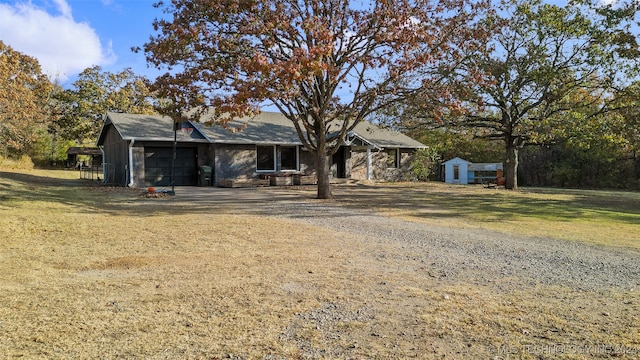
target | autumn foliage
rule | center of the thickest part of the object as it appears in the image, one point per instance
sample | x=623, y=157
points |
x=326, y=65
x=24, y=95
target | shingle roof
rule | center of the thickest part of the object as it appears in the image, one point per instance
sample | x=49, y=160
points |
x=145, y=128
x=265, y=128
x=383, y=138
x=83, y=150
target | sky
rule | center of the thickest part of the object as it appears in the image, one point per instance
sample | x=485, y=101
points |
x=68, y=36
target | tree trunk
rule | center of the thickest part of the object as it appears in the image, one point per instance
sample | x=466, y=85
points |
x=322, y=172
x=511, y=167
x=636, y=166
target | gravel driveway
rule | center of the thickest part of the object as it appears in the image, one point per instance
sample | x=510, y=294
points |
x=478, y=256
x=481, y=256
x=576, y=281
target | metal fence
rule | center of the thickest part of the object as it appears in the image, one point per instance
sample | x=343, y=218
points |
x=91, y=173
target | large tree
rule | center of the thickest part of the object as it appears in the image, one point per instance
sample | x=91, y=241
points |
x=627, y=104
x=325, y=64
x=542, y=58
x=24, y=102
x=96, y=92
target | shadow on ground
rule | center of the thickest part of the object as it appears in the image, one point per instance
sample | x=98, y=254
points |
x=423, y=200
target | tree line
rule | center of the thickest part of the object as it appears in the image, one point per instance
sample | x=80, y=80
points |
x=550, y=90
x=40, y=119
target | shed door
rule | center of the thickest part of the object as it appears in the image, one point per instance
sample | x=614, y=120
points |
x=157, y=166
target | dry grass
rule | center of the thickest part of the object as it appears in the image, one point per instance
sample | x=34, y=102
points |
x=598, y=217
x=105, y=273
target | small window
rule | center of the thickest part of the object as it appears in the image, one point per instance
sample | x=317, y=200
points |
x=289, y=158
x=392, y=158
x=266, y=158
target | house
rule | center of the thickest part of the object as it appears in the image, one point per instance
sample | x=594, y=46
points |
x=460, y=171
x=138, y=151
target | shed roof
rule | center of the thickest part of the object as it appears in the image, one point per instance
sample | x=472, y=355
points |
x=83, y=150
x=264, y=128
x=485, y=166
x=457, y=160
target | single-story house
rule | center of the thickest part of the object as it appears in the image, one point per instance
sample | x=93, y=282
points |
x=138, y=150
x=460, y=171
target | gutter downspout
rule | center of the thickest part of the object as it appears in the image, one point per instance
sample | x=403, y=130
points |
x=104, y=166
x=133, y=141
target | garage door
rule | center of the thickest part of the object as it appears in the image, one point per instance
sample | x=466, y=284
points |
x=157, y=167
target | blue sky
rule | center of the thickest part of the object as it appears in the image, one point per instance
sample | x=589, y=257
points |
x=68, y=36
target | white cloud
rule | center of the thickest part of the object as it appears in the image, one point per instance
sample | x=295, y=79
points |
x=64, y=8
x=63, y=46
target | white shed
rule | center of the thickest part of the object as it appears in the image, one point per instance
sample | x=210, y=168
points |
x=456, y=171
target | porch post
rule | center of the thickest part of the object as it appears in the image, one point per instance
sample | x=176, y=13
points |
x=369, y=164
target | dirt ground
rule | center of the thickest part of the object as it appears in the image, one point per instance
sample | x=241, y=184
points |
x=223, y=273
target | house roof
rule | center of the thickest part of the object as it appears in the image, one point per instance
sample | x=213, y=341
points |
x=145, y=128
x=383, y=138
x=264, y=128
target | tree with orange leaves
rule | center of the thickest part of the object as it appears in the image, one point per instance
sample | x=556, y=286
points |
x=24, y=102
x=325, y=64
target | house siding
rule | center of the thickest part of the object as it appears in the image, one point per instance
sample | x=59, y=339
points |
x=403, y=171
x=359, y=164
x=116, y=158
x=238, y=162
x=380, y=171
x=137, y=153
x=234, y=162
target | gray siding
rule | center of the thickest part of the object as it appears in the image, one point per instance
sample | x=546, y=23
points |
x=116, y=158
x=238, y=162
x=234, y=162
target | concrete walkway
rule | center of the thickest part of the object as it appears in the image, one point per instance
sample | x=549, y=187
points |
x=217, y=195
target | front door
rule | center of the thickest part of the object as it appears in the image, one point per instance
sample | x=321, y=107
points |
x=338, y=164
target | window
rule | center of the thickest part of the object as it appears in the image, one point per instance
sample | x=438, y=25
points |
x=266, y=158
x=392, y=158
x=289, y=158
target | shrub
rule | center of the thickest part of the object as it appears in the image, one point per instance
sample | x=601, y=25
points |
x=425, y=163
x=22, y=163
